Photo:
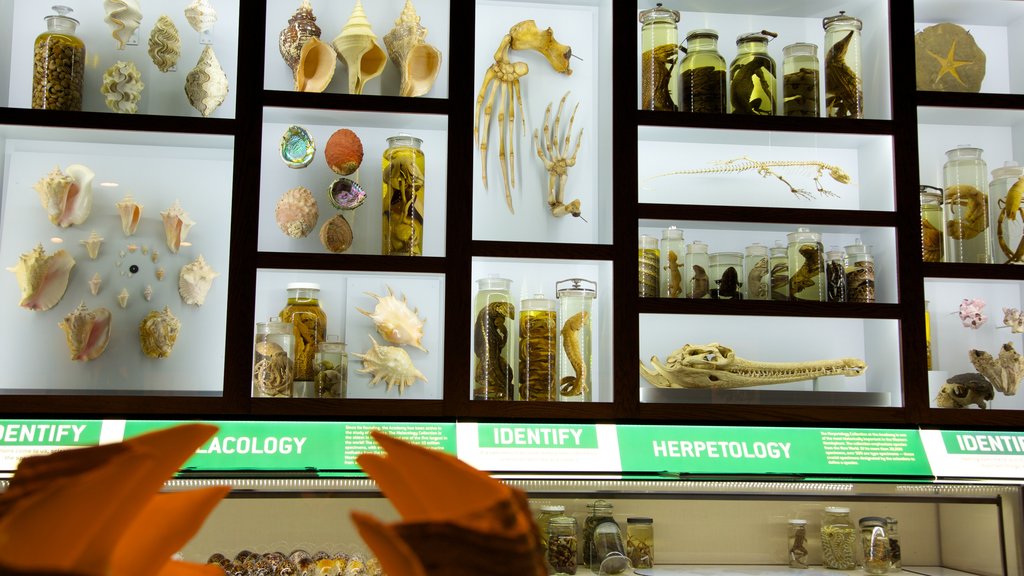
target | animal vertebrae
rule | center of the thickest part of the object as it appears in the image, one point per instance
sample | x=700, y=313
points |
x=767, y=168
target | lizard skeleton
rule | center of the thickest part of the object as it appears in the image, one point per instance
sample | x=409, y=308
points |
x=766, y=168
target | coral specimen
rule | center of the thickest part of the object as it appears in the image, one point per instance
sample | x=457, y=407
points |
x=296, y=212
x=177, y=223
x=357, y=47
x=206, y=85
x=194, y=281
x=395, y=322
x=131, y=214
x=122, y=86
x=67, y=197
x=87, y=332
x=164, y=44
x=158, y=332
x=390, y=364
x=418, y=62
x=971, y=313
x=1013, y=318
x=123, y=16
x=200, y=15
x=43, y=278
x=344, y=152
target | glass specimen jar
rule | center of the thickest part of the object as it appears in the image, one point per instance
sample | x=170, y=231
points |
x=273, y=364
x=928, y=335
x=1005, y=219
x=575, y=318
x=595, y=547
x=796, y=539
x=331, y=368
x=965, y=201
x=779, y=262
x=403, y=168
x=800, y=81
x=806, y=257
x=695, y=273
x=835, y=274
x=932, y=237
x=659, y=40
x=671, y=263
x=752, y=75
x=640, y=541
x=563, y=544
x=538, y=350
x=58, y=64
x=875, y=543
x=310, y=321
x=648, y=261
x=844, y=85
x=892, y=528
x=726, y=283
x=860, y=273
x=756, y=272
x=838, y=539
x=547, y=512
x=702, y=79
x=493, y=339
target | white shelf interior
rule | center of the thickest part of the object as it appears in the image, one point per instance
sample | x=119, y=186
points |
x=999, y=133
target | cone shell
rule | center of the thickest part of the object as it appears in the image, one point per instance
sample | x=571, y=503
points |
x=122, y=86
x=357, y=47
x=194, y=281
x=158, y=332
x=131, y=214
x=418, y=62
x=123, y=16
x=391, y=364
x=87, y=332
x=92, y=244
x=200, y=15
x=164, y=44
x=296, y=212
x=43, y=278
x=177, y=223
x=316, y=67
x=66, y=196
x=301, y=27
x=206, y=85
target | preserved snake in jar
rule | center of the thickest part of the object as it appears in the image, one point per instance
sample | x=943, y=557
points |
x=493, y=340
x=538, y=349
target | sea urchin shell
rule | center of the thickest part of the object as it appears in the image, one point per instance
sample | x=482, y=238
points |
x=390, y=364
x=344, y=152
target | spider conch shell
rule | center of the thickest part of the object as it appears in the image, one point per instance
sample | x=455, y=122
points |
x=164, y=44
x=200, y=15
x=206, y=85
x=158, y=332
x=194, y=281
x=176, y=225
x=390, y=364
x=123, y=16
x=301, y=27
x=316, y=66
x=417, y=61
x=395, y=322
x=357, y=46
x=122, y=86
x=92, y=244
x=131, y=214
x=66, y=196
x=43, y=278
x=87, y=332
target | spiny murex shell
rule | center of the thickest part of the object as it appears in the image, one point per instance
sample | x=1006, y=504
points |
x=316, y=66
x=157, y=333
x=43, y=278
x=200, y=15
x=301, y=27
x=296, y=212
x=130, y=212
x=395, y=322
x=92, y=244
x=122, y=86
x=164, y=44
x=357, y=47
x=67, y=197
x=194, y=281
x=123, y=16
x=176, y=225
x=417, y=62
x=206, y=85
x=390, y=364
x=87, y=332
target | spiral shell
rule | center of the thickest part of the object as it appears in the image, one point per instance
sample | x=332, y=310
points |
x=206, y=85
x=357, y=46
x=164, y=44
x=130, y=212
x=123, y=16
x=122, y=85
x=42, y=278
x=296, y=212
x=92, y=244
x=200, y=15
x=66, y=196
x=158, y=332
x=194, y=281
x=87, y=332
x=391, y=364
x=417, y=61
x=177, y=224
x=301, y=27
x=316, y=66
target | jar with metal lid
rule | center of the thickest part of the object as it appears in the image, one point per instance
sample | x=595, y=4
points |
x=640, y=541
x=547, y=512
x=659, y=40
x=932, y=236
x=835, y=274
x=493, y=339
x=752, y=75
x=874, y=543
x=702, y=77
x=965, y=199
x=796, y=538
x=779, y=262
x=892, y=529
x=403, y=167
x=806, y=258
x=310, y=322
x=725, y=271
x=695, y=273
x=844, y=86
x=575, y=318
x=648, y=260
x=860, y=273
x=838, y=539
x=800, y=72
x=331, y=368
x=538, y=350
x=563, y=544
x=273, y=365
x=599, y=512
x=671, y=262
x=58, y=64
x=756, y=272
x=1004, y=218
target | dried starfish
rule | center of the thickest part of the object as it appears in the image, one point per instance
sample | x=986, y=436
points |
x=767, y=168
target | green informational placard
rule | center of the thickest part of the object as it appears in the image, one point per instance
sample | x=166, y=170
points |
x=50, y=433
x=537, y=436
x=966, y=442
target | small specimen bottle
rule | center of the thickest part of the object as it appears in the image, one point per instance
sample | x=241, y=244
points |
x=844, y=86
x=601, y=535
x=860, y=273
x=575, y=318
x=672, y=263
x=273, y=364
x=800, y=80
x=932, y=235
x=806, y=257
x=726, y=268
x=493, y=339
x=756, y=271
x=875, y=545
x=702, y=80
x=660, y=45
x=695, y=274
x=547, y=512
x=310, y=321
x=649, y=260
x=752, y=75
x=893, y=530
x=838, y=539
x=538, y=349
x=1008, y=245
x=796, y=538
x=58, y=69
x=779, y=263
x=331, y=368
x=965, y=198
x=563, y=544
x=835, y=274
x=640, y=541
x=403, y=168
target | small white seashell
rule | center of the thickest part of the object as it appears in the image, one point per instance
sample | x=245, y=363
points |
x=148, y=293
x=145, y=249
x=176, y=225
x=154, y=256
x=123, y=16
x=122, y=298
x=200, y=15
x=94, y=284
x=206, y=85
x=92, y=244
x=131, y=214
x=67, y=197
x=164, y=44
x=395, y=322
x=87, y=332
x=160, y=273
x=194, y=281
x=43, y=278
x=390, y=364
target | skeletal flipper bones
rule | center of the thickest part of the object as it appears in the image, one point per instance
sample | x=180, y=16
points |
x=768, y=168
x=556, y=158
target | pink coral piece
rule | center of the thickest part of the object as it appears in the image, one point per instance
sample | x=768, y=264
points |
x=971, y=313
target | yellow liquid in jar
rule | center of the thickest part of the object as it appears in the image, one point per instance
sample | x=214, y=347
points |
x=310, y=322
x=402, y=208
x=538, y=353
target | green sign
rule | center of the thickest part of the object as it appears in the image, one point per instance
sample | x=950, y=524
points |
x=50, y=432
x=536, y=436
x=1007, y=443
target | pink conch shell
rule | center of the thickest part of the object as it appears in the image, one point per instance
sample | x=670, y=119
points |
x=122, y=298
x=87, y=332
x=95, y=283
x=194, y=281
x=316, y=66
x=158, y=332
x=92, y=244
x=131, y=214
x=176, y=226
x=67, y=197
x=43, y=279
x=390, y=364
x=395, y=322
x=417, y=62
x=296, y=212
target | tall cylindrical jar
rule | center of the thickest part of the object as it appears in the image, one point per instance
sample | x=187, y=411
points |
x=860, y=272
x=563, y=545
x=806, y=257
x=726, y=283
x=598, y=543
x=58, y=64
x=896, y=553
x=1004, y=213
x=575, y=318
x=547, y=512
x=702, y=79
x=331, y=368
x=800, y=83
x=844, y=84
x=671, y=249
x=932, y=235
x=835, y=275
x=403, y=167
x=838, y=539
x=648, y=261
x=874, y=542
x=756, y=272
x=273, y=359
x=640, y=541
x=965, y=201
x=310, y=328
x=493, y=339
x=779, y=263
x=660, y=51
x=538, y=349
x=695, y=274
x=796, y=540
x=752, y=76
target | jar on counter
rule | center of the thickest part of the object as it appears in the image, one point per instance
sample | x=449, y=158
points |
x=303, y=311
x=547, y=512
x=756, y=271
x=602, y=536
x=893, y=530
x=726, y=283
x=800, y=72
x=1008, y=223
x=331, y=369
x=702, y=79
x=403, y=168
x=806, y=258
x=538, y=350
x=796, y=538
x=695, y=274
x=778, y=261
x=838, y=539
x=965, y=199
x=875, y=545
x=493, y=339
x=563, y=544
x=659, y=39
x=835, y=275
x=844, y=84
x=575, y=318
x=752, y=75
x=649, y=260
x=932, y=236
x=640, y=541
x=860, y=273
x=273, y=362
x=671, y=263
x=58, y=64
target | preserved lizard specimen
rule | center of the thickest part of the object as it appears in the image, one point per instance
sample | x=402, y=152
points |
x=768, y=168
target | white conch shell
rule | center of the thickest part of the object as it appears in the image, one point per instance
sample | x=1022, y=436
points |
x=390, y=364
x=94, y=284
x=122, y=298
x=200, y=15
x=159, y=273
x=316, y=66
x=43, y=279
x=164, y=44
x=87, y=332
x=66, y=196
x=194, y=281
x=131, y=214
x=92, y=244
x=123, y=16
x=417, y=62
x=158, y=332
x=122, y=86
x=357, y=47
x=395, y=322
x=206, y=85
x=148, y=293
x=176, y=225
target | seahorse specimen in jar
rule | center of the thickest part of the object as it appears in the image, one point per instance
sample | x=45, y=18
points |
x=493, y=375
x=574, y=385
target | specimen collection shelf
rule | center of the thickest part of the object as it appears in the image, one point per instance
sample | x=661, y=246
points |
x=765, y=123
x=767, y=214
x=768, y=308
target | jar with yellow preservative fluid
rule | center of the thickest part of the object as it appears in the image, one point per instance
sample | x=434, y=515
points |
x=1004, y=218
x=58, y=64
x=756, y=271
x=538, y=349
x=696, y=282
x=563, y=544
x=671, y=248
x=659, y=42
x=806, y=257
x=648, y=262
x=779, y=264
x=331, y=368
x=575, y=318
x=933, y=244
x=800, y=72
x=494, y=331
x=702, y=79
x=310, y=328
x=838, y=539
x=752, y=76
x=403, y=168
x=965, y=206
x=273, y=359
x=844, y=86
x=640, y=541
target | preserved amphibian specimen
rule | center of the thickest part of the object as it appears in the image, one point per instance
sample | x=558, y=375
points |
x=703, y=74
x=752, y=76
x=800, y=80
x=659, y=53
